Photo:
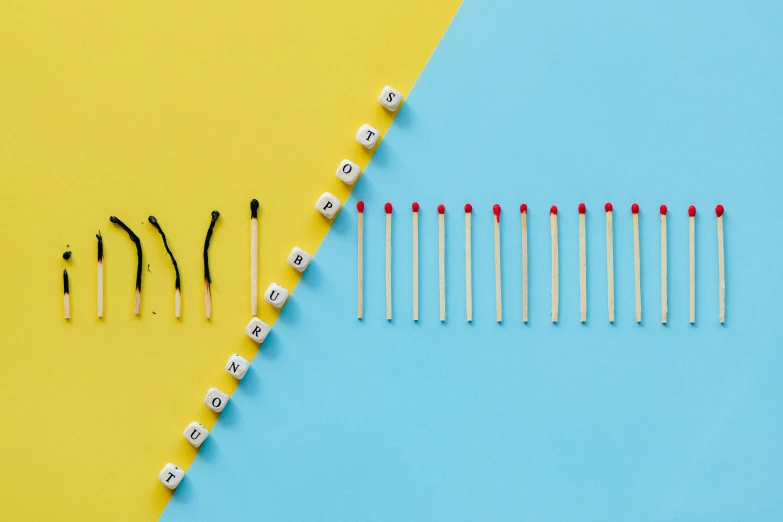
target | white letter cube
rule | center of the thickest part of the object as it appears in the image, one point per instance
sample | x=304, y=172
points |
x=276, y=295
x=299, y=259
x=257, y=330
x=367, y=136
x=390, y=98
x=170, y=476
x=237, y=366
x=348, y=171
x=328, y=205
x=196, y=434
x=215, y=400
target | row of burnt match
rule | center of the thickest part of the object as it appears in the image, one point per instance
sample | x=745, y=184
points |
x=582, y=209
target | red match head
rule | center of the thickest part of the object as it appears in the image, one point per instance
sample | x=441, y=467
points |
x=663, y=210
x=360, y=206
x=523, y=208
x=468, y=208
x=608, y=207
x=691, y=211
x=634, y=208
x=582, y=208
x=496, y=211
x=719, y=210
x=415, y=207
x=441, y=209
x=388, y=208
x=553, y=210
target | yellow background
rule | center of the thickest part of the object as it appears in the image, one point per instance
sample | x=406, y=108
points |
x=172, y=109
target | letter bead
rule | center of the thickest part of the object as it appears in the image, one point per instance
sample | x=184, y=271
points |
x=276, y=295
x=390, y=98
x=327, y=205
x=299, y=259
x=215, y=400
x=237, y=366
x=171, y=475
x=348, y=171
x=367, y=136
x=196, y=434
x=257, y=330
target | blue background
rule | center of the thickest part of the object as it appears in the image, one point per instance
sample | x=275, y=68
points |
x=547, y=103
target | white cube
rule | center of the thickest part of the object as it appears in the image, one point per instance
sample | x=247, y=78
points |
x=299, y=259
x=171, y=475
x=257, y=330
x=275, y=295
x=348, y=171
x=196, y=434
x=215, y=400
x=367, y=136
x=328, y=205
x=237, y=366
x=390, y=98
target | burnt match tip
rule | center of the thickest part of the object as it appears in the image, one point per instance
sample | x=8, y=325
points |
x=523, y=208
x=253, y=204
x=360, y=206
x=553, y=210
x=608, y=207
x=388, y=207
x=468, y=208
x=719, y=210
x=415, y=207
x=113, y=219
x=152, y=219
x=67, y=255
x=582, y=208
x=634, y=208
x=441, y=209
x=691, y=211
x=664, y=210
x=215, y=214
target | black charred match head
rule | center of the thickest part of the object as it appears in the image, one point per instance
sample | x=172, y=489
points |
x=152, y=219
x=215, y=215
x=254, y=208
x=114, y=219
x=100, y=246
x=65, y=281
x=67, y=255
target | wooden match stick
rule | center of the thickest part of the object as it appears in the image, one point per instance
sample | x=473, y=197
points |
x=100, y=273
x=253, y=257
x=388, y=209
x=582, y=265
x=555, y=264
x=207, y=275
x=721, y=275
x=692, y=264
x=468, y=263
x=66, y=295
x=498, y=295
x=609, y=261
x=177, y=301
x=523, y=212
x=137, y=242
x=664, y=270
x=442, y=260
x=360, y=260
x=637, y=262
x=415, y=208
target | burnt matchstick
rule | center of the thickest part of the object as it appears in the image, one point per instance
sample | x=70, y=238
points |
x=523, y=212
x=721, y=265
x=664, y=270
x=137, y=241
x=468, y=263
x=67, y=255
x=637, y=262
x=360, y=260
x=555, y=263
x=609, y=261
x=388, y=208
x=442, y=260
x=207, y=275
x=415, y=209
x=99, y=237
x=498, y=295
x=692, y=261
x=66, y=295
x=254, y=257
x=582, y=265
x=155, y=223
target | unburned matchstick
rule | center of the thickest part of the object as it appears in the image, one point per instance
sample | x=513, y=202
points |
x=468, y=264
x=523, y=213
x=637, y=262
x=388, y=208
x=66, y=295
x=415, y=209
x=609, y=261
x=721, y=265
x=582, y=265
x=253, y=257
x=555, y=263
x=137, y=242
x=442, y=260
x=177, y=304
x=207, y=275
x=692, y=260
x=360, y=259
x=664, y=270
x=498, y=296
x=100, y=273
